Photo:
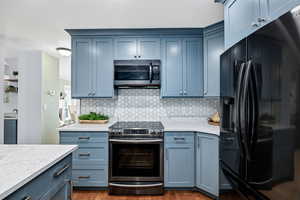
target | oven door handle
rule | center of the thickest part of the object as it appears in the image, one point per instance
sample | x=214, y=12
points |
x=136, y=186
x=136, y=141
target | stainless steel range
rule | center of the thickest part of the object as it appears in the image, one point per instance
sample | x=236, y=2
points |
x=136, y=158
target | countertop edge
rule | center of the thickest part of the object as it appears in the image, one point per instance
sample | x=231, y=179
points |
x=39, y=172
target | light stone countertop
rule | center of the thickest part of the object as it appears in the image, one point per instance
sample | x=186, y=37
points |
x=178, y=124
x=20, y=164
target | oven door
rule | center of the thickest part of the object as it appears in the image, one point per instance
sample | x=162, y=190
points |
x=136, y=160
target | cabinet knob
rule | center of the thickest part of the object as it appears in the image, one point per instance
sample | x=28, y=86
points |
x=135, y=56
x=255, y=24
x=261, y=20
x=184, y=92
x=180, y=92
x=139, y=56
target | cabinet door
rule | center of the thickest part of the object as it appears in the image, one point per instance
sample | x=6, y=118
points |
x=241, y=19
x=149, y=48
x=82, y=67
x=272, y=9
x=207, y=156
x=213, y=48
x=193, y=67
x=125, y=48
x=172, y=67
x=103, y=68
x=179, y=166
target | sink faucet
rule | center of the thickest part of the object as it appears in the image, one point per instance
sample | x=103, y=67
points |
x=15, y=111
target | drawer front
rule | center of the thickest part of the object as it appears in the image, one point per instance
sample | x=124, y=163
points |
x=39, y=186
x=84, y=139
x=90, y=158
x=179, y=138
x=61, y=171
x=90, y=178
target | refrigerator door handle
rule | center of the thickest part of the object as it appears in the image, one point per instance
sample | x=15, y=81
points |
x=245, y=115
x=238, y=106
x=255, y=105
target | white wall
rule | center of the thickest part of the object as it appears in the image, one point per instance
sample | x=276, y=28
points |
x=50, y=103
x=1, y=92
x=30, y=87
x=65, y=68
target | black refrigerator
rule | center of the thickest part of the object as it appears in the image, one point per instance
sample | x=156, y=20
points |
x=260, y=114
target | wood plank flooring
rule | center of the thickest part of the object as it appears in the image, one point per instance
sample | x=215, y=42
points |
x=169, y=195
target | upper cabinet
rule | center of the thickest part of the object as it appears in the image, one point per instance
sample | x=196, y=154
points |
x=182, y=67
x=128, y=48
x=82, y=67
x=213, y=48
x=240, y=19
x=189, y=66
x=243, y=17
x=92, y=67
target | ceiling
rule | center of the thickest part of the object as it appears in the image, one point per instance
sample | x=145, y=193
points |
x=40, y=24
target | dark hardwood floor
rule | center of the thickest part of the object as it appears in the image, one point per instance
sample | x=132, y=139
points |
x=169, y=195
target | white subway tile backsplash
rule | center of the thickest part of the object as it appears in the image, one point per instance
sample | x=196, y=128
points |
x=146, y=104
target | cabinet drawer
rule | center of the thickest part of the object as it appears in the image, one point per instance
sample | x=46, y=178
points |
x=84, y=139
x=90, y=158
x=39, y=186
x=61, y=171
x=90, y=178
x=179, y=138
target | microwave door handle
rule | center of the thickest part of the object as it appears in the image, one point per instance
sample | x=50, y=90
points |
x=150, y=72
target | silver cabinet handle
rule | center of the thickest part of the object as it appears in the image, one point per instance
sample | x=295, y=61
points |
x=84, y=154
x=167, y=154
x=84, y=177
x=61, y=171
x=261, y=20
x=179, y=138
x=27, y=198
x=255, y=24
x=83, y=138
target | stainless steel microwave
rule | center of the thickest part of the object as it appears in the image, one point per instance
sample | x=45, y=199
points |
x=137, y=73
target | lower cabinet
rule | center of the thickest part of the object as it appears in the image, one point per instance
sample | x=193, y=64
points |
x=179, y=160
x=192, y=160
x=53, y=184
x=90, y=161
x=207, y=163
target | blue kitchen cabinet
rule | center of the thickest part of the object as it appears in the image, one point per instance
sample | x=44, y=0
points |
x=243, y=17
x=148, y=48
x=92, y=67
x=125, y=48
x=193, y=67
x=240, y=19
x=182, y=67
x=129, y=48
x=82, y=67
x=207, y=163
x=103, y=67
x=172, y=78
x=90, y=161
x=10, y=131
x=272, y=9
x=213, y=48
x=179, y=160
x=53, y=184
